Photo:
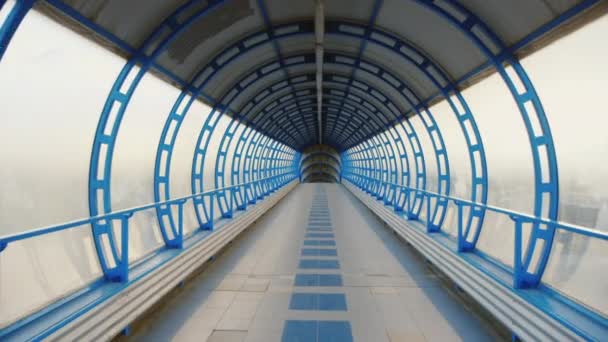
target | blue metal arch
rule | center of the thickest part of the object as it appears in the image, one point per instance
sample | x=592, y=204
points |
x=552, y=204
x=203, y=143
x=353, y=102
x=419, y=156
x=12, y=21
x=462, y=111
x=237, y=176
x=320, y=160
x=390, y=103
x=299, y=27
x=232, y=57
x=528, y=272
x=335, y=178
x=247, y=166
x=311, y=111
x=310, y=95
x=411, y=136
x=319, y=153
x=415, y=146
x=200, y=80
x=316, y=166
x=256, y=164
x=108, y=126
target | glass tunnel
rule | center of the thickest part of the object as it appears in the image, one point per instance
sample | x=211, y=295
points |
x=153, y=148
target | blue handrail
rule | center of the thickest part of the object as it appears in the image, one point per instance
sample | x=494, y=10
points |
x=520, y=271
x=514, y=215
x=124, y=214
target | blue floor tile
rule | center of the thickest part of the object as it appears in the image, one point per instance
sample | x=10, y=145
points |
x=304, y=301
x=319, y=227
x=306, y=280
x=334, y=331
x=320, y=235
x=317, y=331
x=300, y=331
x=319, y=264
x=331, y=302
x=319, y=252
x=330, y=280
x=318, y=280
x=318, y=301
x=319, y=243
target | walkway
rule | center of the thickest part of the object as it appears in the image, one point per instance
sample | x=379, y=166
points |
x=317, y=267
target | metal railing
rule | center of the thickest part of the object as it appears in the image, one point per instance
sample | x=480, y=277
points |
x=519, y=218
x=123, y=216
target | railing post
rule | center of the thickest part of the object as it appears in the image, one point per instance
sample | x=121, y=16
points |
x=244, y=197
x=228, y=198
x=209, y=224
x=389, y=196
x=398, y=195
x=123, y=275
x=180, y=224
x=410, y=206
x=518, y=272
x=461, y=238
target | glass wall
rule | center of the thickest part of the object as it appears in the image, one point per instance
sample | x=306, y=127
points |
x=570, y=76
x=54, y=84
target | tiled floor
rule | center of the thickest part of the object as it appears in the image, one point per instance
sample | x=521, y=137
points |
x=272, y=284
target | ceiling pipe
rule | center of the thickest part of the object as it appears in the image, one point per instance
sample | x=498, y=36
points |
x=319, y=33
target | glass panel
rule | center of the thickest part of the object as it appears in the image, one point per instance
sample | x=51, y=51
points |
x=134, y=158
x=429, y=158
x=458, y=158
x=411, y=165
x=51, y=99
x=231, y=149
x=571, y=75
x=510, y=168
x=181, y=163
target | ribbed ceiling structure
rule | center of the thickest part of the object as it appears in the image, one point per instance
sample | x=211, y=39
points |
x=379, y=61
x=332, y=91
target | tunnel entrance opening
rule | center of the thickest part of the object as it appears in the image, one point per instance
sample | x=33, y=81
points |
x=320, y=164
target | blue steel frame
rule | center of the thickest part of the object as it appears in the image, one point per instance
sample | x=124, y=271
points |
x=323, y=175
x=458, y=105
x=227, y=137
x=317, y=165
x=546, y=203
x=66, y=310
x=411, y=136
x=201, y=79
x=375, y=94
x=438, y=167
x=320, y=154
x=353, y=117
x=319, y=157
x=437, y=77
x=240, y=86
x=108, y=127
x=529, y=270
x=527, y=278
x=237, y=176
x=13, y=20
x=109, y=123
